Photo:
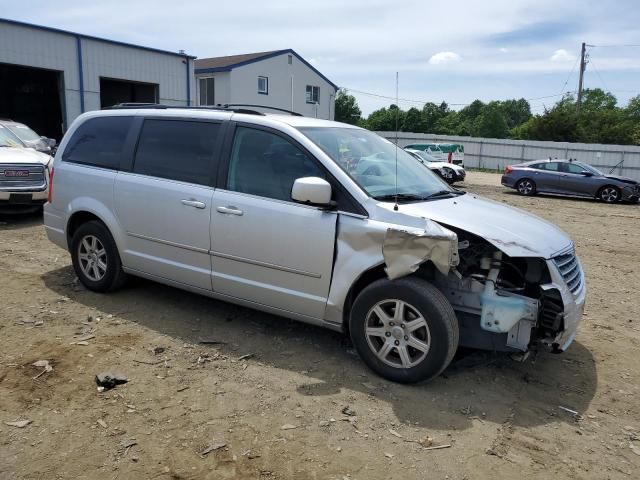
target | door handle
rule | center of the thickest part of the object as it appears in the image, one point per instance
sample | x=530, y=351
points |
x=230, y=211
x=193, y=203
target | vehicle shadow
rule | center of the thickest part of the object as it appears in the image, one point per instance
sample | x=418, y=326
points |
x=17, y=221
x=476, y=387
x=567, y=198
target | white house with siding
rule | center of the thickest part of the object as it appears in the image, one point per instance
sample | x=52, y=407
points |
x=279, y=78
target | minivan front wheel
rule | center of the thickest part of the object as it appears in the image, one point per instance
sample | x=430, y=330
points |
x=405, y=330
x=95, y=258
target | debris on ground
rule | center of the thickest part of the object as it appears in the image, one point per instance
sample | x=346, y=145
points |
x=348, y=411
x=102, y=423
x=394, y=433
x=247, y=356
x=158, y=350
x=42, y=364
x=214, y=446
x=288, y=426
x=212, y=342
x=109, y=380
x=19, y=423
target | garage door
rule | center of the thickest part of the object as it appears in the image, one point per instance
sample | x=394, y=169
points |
x=33, y=96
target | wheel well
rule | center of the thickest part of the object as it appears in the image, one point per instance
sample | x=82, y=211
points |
x=605, y=186
x=367, y=278
x=78, y=219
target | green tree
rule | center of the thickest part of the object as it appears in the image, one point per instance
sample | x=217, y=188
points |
x=346, y=108
x=413, y=121
x=491, y=122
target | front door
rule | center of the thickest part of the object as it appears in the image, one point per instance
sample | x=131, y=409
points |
x=164, y=203
x=266, y=248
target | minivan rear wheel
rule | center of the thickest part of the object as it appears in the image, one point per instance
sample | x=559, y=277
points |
x=405, y=330
x=95, y=258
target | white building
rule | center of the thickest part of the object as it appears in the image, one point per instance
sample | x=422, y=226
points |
x=279, y=78
x=49, y=76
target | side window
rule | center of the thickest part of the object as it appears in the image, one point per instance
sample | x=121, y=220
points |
x=177, y=150
x=263, y=85
x=552, y=166
x=99, y=142
x=265, y=164
x=572, y=168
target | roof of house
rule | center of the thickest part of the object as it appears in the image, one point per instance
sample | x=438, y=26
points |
x=91, y=37
x=228, y=63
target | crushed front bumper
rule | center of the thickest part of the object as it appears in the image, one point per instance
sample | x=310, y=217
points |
x=574, y=303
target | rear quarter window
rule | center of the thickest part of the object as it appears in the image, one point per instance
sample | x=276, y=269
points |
x=99, y=142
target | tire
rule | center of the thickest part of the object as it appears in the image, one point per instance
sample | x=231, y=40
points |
x=609, y=194
x=437, y=334
x=92, y=244
x=526, y=187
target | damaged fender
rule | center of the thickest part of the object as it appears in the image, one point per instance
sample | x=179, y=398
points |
x=362, y=244
x=405, y=250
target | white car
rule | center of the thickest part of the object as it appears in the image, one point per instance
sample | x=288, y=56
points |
x=313, y=220
x=450, y=172
x=23, y=175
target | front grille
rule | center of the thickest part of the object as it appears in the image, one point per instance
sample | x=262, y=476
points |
x=14, y=178
x=570, y=270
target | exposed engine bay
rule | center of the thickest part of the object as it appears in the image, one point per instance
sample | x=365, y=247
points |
x=501, y=302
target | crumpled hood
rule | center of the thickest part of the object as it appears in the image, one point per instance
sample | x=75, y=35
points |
x=515, y=232
x=621, y=179
x=22, y=155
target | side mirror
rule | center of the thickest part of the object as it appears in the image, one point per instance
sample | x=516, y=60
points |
x=312, y=190
x=586, y=173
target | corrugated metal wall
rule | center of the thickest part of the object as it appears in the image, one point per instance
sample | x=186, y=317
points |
x=496, y=154
x=34, y=46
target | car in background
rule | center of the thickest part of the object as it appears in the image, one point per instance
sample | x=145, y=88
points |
x=450, y=172
x=24, y=174
x=569, y=177
x=28, y=137
x=445, y=152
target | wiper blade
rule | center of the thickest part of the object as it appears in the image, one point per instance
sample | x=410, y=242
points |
x=442, y=193
x=400, y=196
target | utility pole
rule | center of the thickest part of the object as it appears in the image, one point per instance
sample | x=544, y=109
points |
x=583, y=66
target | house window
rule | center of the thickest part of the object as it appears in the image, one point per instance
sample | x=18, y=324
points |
x=290, y=59
x=263, y=85
x=313, y=94
x=207, y=91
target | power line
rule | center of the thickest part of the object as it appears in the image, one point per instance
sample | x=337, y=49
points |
x=614, y=46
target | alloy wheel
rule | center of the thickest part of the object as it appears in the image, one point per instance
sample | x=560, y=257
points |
x=609, y=194
x=525, y=187
x=397, y=333
x=92, y=257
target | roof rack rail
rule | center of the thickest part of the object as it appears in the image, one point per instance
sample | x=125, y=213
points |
x=160, y=106
x=290, y=112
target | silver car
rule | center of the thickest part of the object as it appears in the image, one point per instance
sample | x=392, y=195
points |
x=313, y=220
x=569, y=177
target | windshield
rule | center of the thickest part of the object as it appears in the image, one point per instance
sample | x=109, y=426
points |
x=8, y=140
x=589, y=168
x=23, y=132
x=370, y=161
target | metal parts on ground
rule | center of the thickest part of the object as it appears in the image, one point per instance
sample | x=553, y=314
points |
x=405, y=250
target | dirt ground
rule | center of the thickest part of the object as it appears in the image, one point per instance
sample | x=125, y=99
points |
x=279, y=412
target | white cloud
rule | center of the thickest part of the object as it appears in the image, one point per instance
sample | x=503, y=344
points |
x=441, y=58
x=562, y=56
x=504, y=50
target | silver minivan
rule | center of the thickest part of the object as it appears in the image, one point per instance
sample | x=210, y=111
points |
x=313, y=220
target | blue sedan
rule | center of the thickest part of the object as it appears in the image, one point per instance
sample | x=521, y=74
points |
x=569, y=177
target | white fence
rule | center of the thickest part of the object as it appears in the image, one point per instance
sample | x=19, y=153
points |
x=496, y=154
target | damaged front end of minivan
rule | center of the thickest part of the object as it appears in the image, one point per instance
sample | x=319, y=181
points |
x=504, y=303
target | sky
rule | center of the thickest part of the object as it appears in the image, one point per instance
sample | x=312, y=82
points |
x=457, y=51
